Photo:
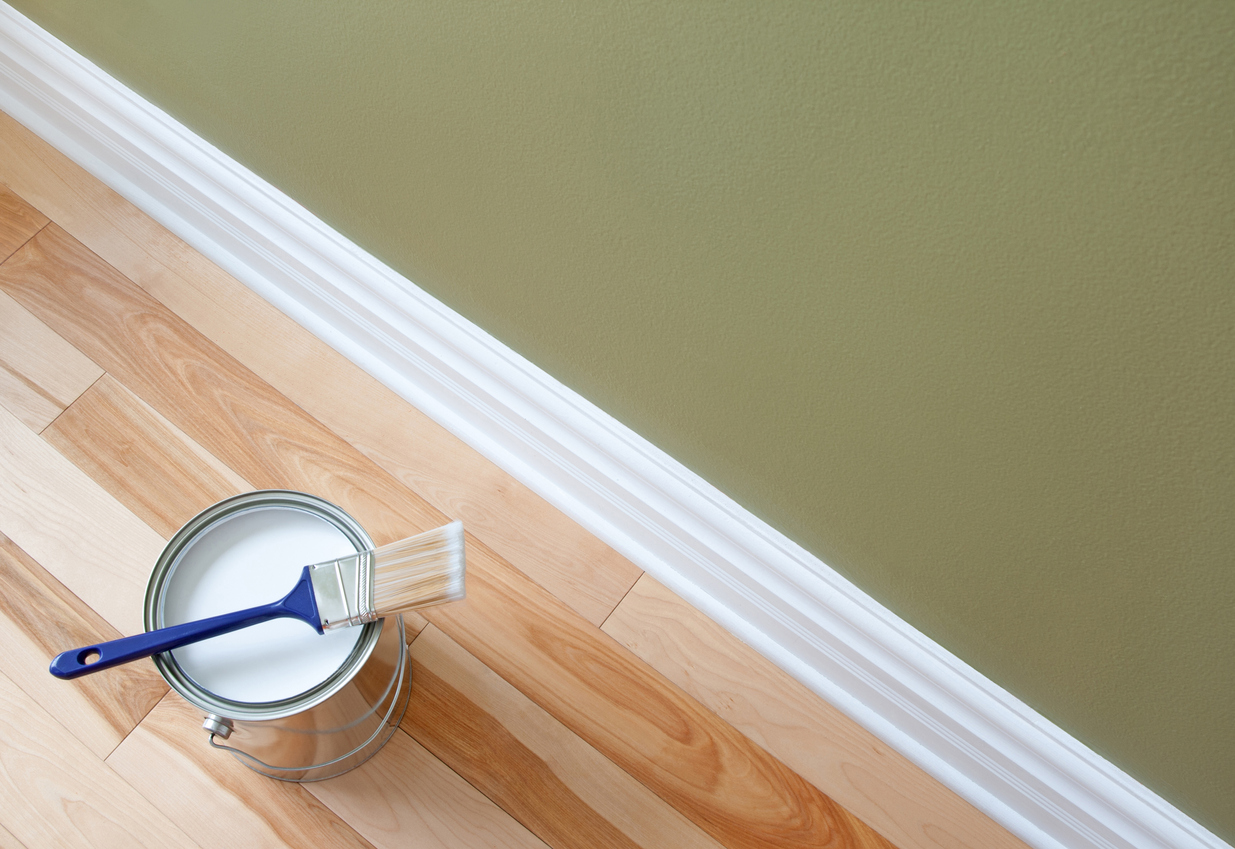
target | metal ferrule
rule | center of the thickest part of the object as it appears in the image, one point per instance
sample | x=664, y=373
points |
x=344, y=590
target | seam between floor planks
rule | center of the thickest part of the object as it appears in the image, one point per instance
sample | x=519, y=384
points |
x=39, y=617
x=50, y=424
x=39, y=757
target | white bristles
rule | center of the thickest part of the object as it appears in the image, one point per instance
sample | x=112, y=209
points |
x=425, y=569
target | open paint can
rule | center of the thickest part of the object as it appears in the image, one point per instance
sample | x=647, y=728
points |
x=288, y=702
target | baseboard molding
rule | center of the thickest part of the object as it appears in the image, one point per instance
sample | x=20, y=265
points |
x=1011, y=763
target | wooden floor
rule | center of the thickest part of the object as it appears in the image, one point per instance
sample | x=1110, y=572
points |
x=570, y=701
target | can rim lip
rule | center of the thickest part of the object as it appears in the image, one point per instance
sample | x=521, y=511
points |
x=152, y=612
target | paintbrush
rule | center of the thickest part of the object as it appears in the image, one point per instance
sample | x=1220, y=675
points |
x=363, y=587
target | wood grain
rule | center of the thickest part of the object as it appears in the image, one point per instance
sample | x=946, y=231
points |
x=826, y=747
x=57, y=793
x=214, y=797
x=18, y=222
x=39, y=618
x=40, y=373
x=142, y=459
x=515, y=522
x=406, y=797
x=217, y=402
x=529, y=763
x=705, y=768
x=71, y=527
x=711, y=773
x=8, y=841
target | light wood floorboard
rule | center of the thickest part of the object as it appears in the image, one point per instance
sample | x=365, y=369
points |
x=73, y=528
x=825, y=746
x=56, y=792
x=39, y=618
x=406, y=797
x=18, y=222
x=199, y=388
x=40, y=373
x=527, y=761
x=222, y=803
x=150, y=465
x=8, y=841
x=533, y=726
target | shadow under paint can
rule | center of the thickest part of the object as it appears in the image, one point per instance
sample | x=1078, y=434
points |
x=286, y=701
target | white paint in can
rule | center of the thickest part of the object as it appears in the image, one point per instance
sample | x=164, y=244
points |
x=252, y=558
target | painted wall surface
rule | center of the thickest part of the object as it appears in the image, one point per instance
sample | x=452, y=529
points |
x=945, y=292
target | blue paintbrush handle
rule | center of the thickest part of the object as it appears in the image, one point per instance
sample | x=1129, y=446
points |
x=300, y=603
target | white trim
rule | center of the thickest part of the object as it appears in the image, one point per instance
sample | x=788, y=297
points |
x=989, y=747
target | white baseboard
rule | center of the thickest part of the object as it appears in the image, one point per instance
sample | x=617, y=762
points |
x=1011, y=763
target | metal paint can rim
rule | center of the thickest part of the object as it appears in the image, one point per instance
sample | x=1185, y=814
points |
x=152, y=613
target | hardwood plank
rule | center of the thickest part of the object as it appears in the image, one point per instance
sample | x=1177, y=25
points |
x=57, y=793
x=142, y=459
x=825, y=746
x=8, y=841
x=406, y=797
x=703, y=767
x=40, y=373
x=727, y=785
x=39, y=618
x=569, y=562
x=214, y=797
x=529, y=763
x=197, y=386
x=80, y=534
x=18, y=222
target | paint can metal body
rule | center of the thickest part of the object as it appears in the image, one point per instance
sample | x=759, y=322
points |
x=334, y=724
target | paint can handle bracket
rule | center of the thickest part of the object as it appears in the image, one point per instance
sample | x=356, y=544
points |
x=218, y=726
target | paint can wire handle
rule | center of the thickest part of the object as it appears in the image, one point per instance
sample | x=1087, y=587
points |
x=222, y=729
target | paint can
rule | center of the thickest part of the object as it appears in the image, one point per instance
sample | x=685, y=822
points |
x=286, y=701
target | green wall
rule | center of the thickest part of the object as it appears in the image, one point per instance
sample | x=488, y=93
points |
x=946, y=292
